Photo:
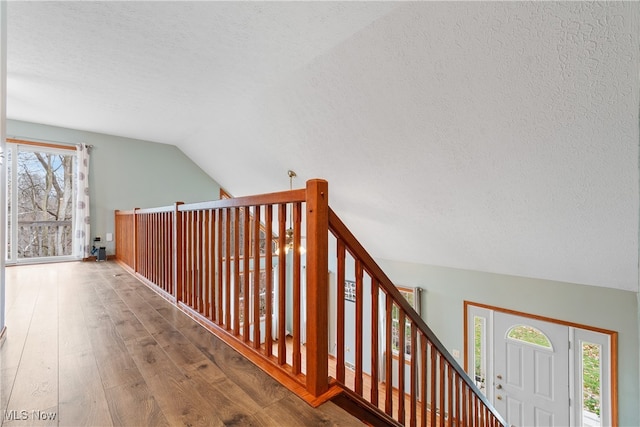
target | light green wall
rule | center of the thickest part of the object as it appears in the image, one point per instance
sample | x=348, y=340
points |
x=447, y=288
x=127, y=173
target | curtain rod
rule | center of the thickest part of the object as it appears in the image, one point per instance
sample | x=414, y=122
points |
x=28, y=139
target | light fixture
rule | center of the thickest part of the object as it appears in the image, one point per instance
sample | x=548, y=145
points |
x=289, y=232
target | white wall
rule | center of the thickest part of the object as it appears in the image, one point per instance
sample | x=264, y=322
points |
x=127, y=173
x=447, y=289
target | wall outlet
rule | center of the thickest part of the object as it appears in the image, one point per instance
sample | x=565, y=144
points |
x=456, y=353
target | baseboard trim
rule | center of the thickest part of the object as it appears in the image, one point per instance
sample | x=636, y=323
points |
x=94, y=258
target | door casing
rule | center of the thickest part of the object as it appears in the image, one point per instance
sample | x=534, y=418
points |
x=576, y=330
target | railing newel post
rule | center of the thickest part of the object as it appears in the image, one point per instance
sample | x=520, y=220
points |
x=317, y=211
x=177, y=254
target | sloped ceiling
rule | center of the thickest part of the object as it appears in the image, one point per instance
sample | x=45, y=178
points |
x=498, y=137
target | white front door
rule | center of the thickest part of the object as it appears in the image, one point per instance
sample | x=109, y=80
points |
x=531, y=371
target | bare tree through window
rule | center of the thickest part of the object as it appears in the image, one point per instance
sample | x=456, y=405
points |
x=44, y=187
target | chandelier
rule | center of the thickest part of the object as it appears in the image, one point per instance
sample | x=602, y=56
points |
x=289, y=232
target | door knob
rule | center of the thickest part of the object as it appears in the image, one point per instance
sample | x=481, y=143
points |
x=499, y=377
x=499, y=386
x=499, y=397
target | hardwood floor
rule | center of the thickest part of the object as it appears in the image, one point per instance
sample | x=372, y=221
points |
x=88, y=345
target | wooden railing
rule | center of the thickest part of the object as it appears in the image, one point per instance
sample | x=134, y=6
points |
x=236, y=267
x=411, y=377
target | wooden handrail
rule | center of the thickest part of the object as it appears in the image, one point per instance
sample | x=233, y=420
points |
x=337, y=227
x=365, y=261
x=201, y=255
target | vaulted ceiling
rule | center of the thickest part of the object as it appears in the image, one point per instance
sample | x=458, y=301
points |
x=491, y=136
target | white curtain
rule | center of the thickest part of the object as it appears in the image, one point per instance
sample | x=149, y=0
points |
x=82, y=241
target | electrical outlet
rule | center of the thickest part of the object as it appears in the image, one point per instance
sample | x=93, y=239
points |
x=456, y=353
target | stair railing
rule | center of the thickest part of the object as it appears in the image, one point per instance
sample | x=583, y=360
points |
x=221, y=263
x=416, y=381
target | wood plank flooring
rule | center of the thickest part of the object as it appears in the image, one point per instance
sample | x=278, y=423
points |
x=89, y=345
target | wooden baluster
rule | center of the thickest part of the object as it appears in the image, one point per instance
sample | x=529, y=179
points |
x=136, y=250
x=297, y=336
x=423, y=380
x=457, y=397
x=401, y=357
x=485, y=416
x=142, y=254
x=219, y=274
x=156, y=249
x=185, y=257
x=239, y=228
x=341, y=254
x=268, y=333
x=434, y=391
x=192, y=259
x=414, y=376
x=118, y=232
x=317, y=205
x=227, y=297
x=149, y=239
x=143, y=244
x=474, y=409
x=201, y=262
x=151, y=259
x=374, y=340
x=151, y=248
x=282, y=283
x=256, y=278
x=164, y=260
x=359, y=328
x=442, y=391
x=450, y=396
x=246, y=274
x=177, y=252
x=206, y=229
x=198, y=260
x=167, y=252
x=212, y=264
x=464, y=419
x=388, y=403
x=139, y=243
x=160, y=261
x=159, y=238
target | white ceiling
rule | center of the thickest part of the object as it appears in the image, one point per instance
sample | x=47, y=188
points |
x=491, y=136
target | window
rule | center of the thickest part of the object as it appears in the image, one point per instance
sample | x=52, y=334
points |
x=40, y=206
x=480, y=352
x=591, y=373
x=530, y=335
x=408, y=294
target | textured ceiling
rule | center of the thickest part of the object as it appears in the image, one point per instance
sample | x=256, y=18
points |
x=491, y=136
